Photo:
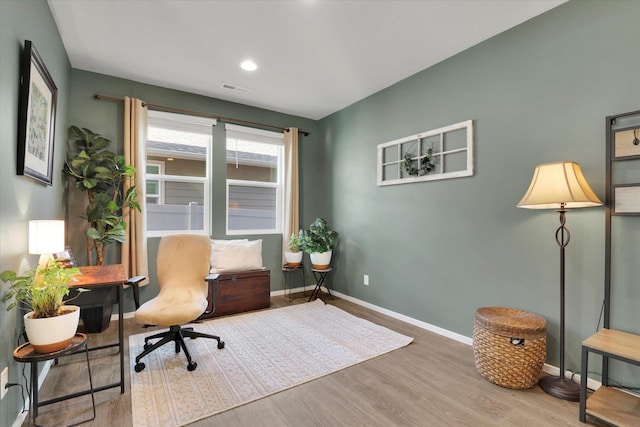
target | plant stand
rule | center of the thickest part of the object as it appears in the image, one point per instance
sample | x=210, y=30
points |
x=27, y=354
x=321, y=276
x=288, y=271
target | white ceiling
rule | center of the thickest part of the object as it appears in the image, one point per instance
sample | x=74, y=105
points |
x=315, y=57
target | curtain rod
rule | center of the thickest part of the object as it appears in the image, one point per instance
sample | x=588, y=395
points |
x=196, y=113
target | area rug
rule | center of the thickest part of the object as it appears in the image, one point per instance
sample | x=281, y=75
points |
x=266, y=352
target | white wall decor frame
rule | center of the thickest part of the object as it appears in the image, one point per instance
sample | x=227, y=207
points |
x=452, y=151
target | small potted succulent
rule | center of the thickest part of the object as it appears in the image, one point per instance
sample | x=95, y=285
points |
x=293, y=257
x=50, y=324
x=318, y=241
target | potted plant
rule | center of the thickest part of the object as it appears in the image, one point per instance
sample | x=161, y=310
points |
x=318, y=241
x=50, y=324
x=293, y=257
x=100, y=173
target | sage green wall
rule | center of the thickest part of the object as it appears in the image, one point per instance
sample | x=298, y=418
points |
x=106, y=118
x=22, y=199
x=436, y=251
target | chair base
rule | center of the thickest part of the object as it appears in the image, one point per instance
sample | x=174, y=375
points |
x=177, y=335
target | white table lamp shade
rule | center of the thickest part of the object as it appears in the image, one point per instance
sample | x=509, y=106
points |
x=46, y=236
x=559, y=183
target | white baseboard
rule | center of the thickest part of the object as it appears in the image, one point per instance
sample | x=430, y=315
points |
x=554, y=370
x=548, y=369
x=424, y=325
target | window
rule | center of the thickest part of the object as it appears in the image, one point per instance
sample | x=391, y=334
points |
x=441, y=153
x=254, y=180
x=155, y=188
x=178, y=173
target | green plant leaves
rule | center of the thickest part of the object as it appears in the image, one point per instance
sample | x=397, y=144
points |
x=40, y=290
x=101, y=174
x=319, y=237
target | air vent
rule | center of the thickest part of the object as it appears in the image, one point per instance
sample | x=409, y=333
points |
x=235, y=88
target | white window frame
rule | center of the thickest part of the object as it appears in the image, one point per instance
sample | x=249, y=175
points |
x=439, y=154
x=279, y=184
x=154, y=177
x=186, y=122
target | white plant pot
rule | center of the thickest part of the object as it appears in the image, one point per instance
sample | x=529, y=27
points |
x=50, y=334
x=293, y=259
x=321, y=260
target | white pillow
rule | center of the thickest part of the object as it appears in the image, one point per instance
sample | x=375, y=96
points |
x=221, y=242
x=237, y=256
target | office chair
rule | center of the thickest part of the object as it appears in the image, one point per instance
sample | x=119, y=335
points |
x=183, y=274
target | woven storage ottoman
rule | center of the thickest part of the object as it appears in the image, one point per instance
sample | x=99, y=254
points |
x=509, y=346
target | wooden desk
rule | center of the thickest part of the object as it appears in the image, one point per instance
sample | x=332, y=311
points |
x=101, y=276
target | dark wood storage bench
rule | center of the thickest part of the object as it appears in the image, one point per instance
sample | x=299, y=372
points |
x=241, y=291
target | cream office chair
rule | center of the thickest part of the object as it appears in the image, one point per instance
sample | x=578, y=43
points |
x=183, y=277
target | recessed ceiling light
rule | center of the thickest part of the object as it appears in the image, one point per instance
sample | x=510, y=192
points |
x=249, y=65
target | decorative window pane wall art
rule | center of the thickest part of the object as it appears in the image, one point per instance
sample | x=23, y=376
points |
x=442, y=153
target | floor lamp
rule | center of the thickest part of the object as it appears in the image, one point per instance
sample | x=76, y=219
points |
x=560, y=186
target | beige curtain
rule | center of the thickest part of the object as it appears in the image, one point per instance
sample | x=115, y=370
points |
x=134, y=249
x=291, y=199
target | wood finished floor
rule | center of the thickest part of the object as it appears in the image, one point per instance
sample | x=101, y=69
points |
x=431, y=382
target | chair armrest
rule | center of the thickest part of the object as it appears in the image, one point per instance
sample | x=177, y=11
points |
x=211, y=279
x=134, y=282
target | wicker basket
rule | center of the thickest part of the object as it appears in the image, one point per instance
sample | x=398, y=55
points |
x=509, y=346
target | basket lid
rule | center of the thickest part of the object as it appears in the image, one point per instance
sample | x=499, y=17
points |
x=510, y=321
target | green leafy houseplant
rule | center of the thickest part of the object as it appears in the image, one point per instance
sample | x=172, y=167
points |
x=40, y=290
x=101, y=174
x=295, y=241
x=424, y=163
x=319, y=237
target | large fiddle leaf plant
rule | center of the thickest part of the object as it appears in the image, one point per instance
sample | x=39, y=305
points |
x=101, y=174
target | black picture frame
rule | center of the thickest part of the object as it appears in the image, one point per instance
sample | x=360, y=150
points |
x=36, y=118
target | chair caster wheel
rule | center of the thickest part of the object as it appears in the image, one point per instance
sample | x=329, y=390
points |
x=139, y=366
x=147, y=346
x=191, y=366
x=220, y=344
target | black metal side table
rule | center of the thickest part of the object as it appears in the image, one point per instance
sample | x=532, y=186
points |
x=288, y=271
x=27, y=354
x=321, y=277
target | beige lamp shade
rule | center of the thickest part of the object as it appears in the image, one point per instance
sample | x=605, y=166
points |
x=46, y=237
x=554, y=184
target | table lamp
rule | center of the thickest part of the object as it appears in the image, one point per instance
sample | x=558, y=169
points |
x=46, y=237
x=560, y=186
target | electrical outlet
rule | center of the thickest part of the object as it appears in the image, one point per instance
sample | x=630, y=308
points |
x=366, y=279
x=4, y=379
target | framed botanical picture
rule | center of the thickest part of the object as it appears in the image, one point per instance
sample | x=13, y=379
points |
x=36, y=118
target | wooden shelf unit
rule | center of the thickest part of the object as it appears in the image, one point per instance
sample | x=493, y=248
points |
x=607, y=403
